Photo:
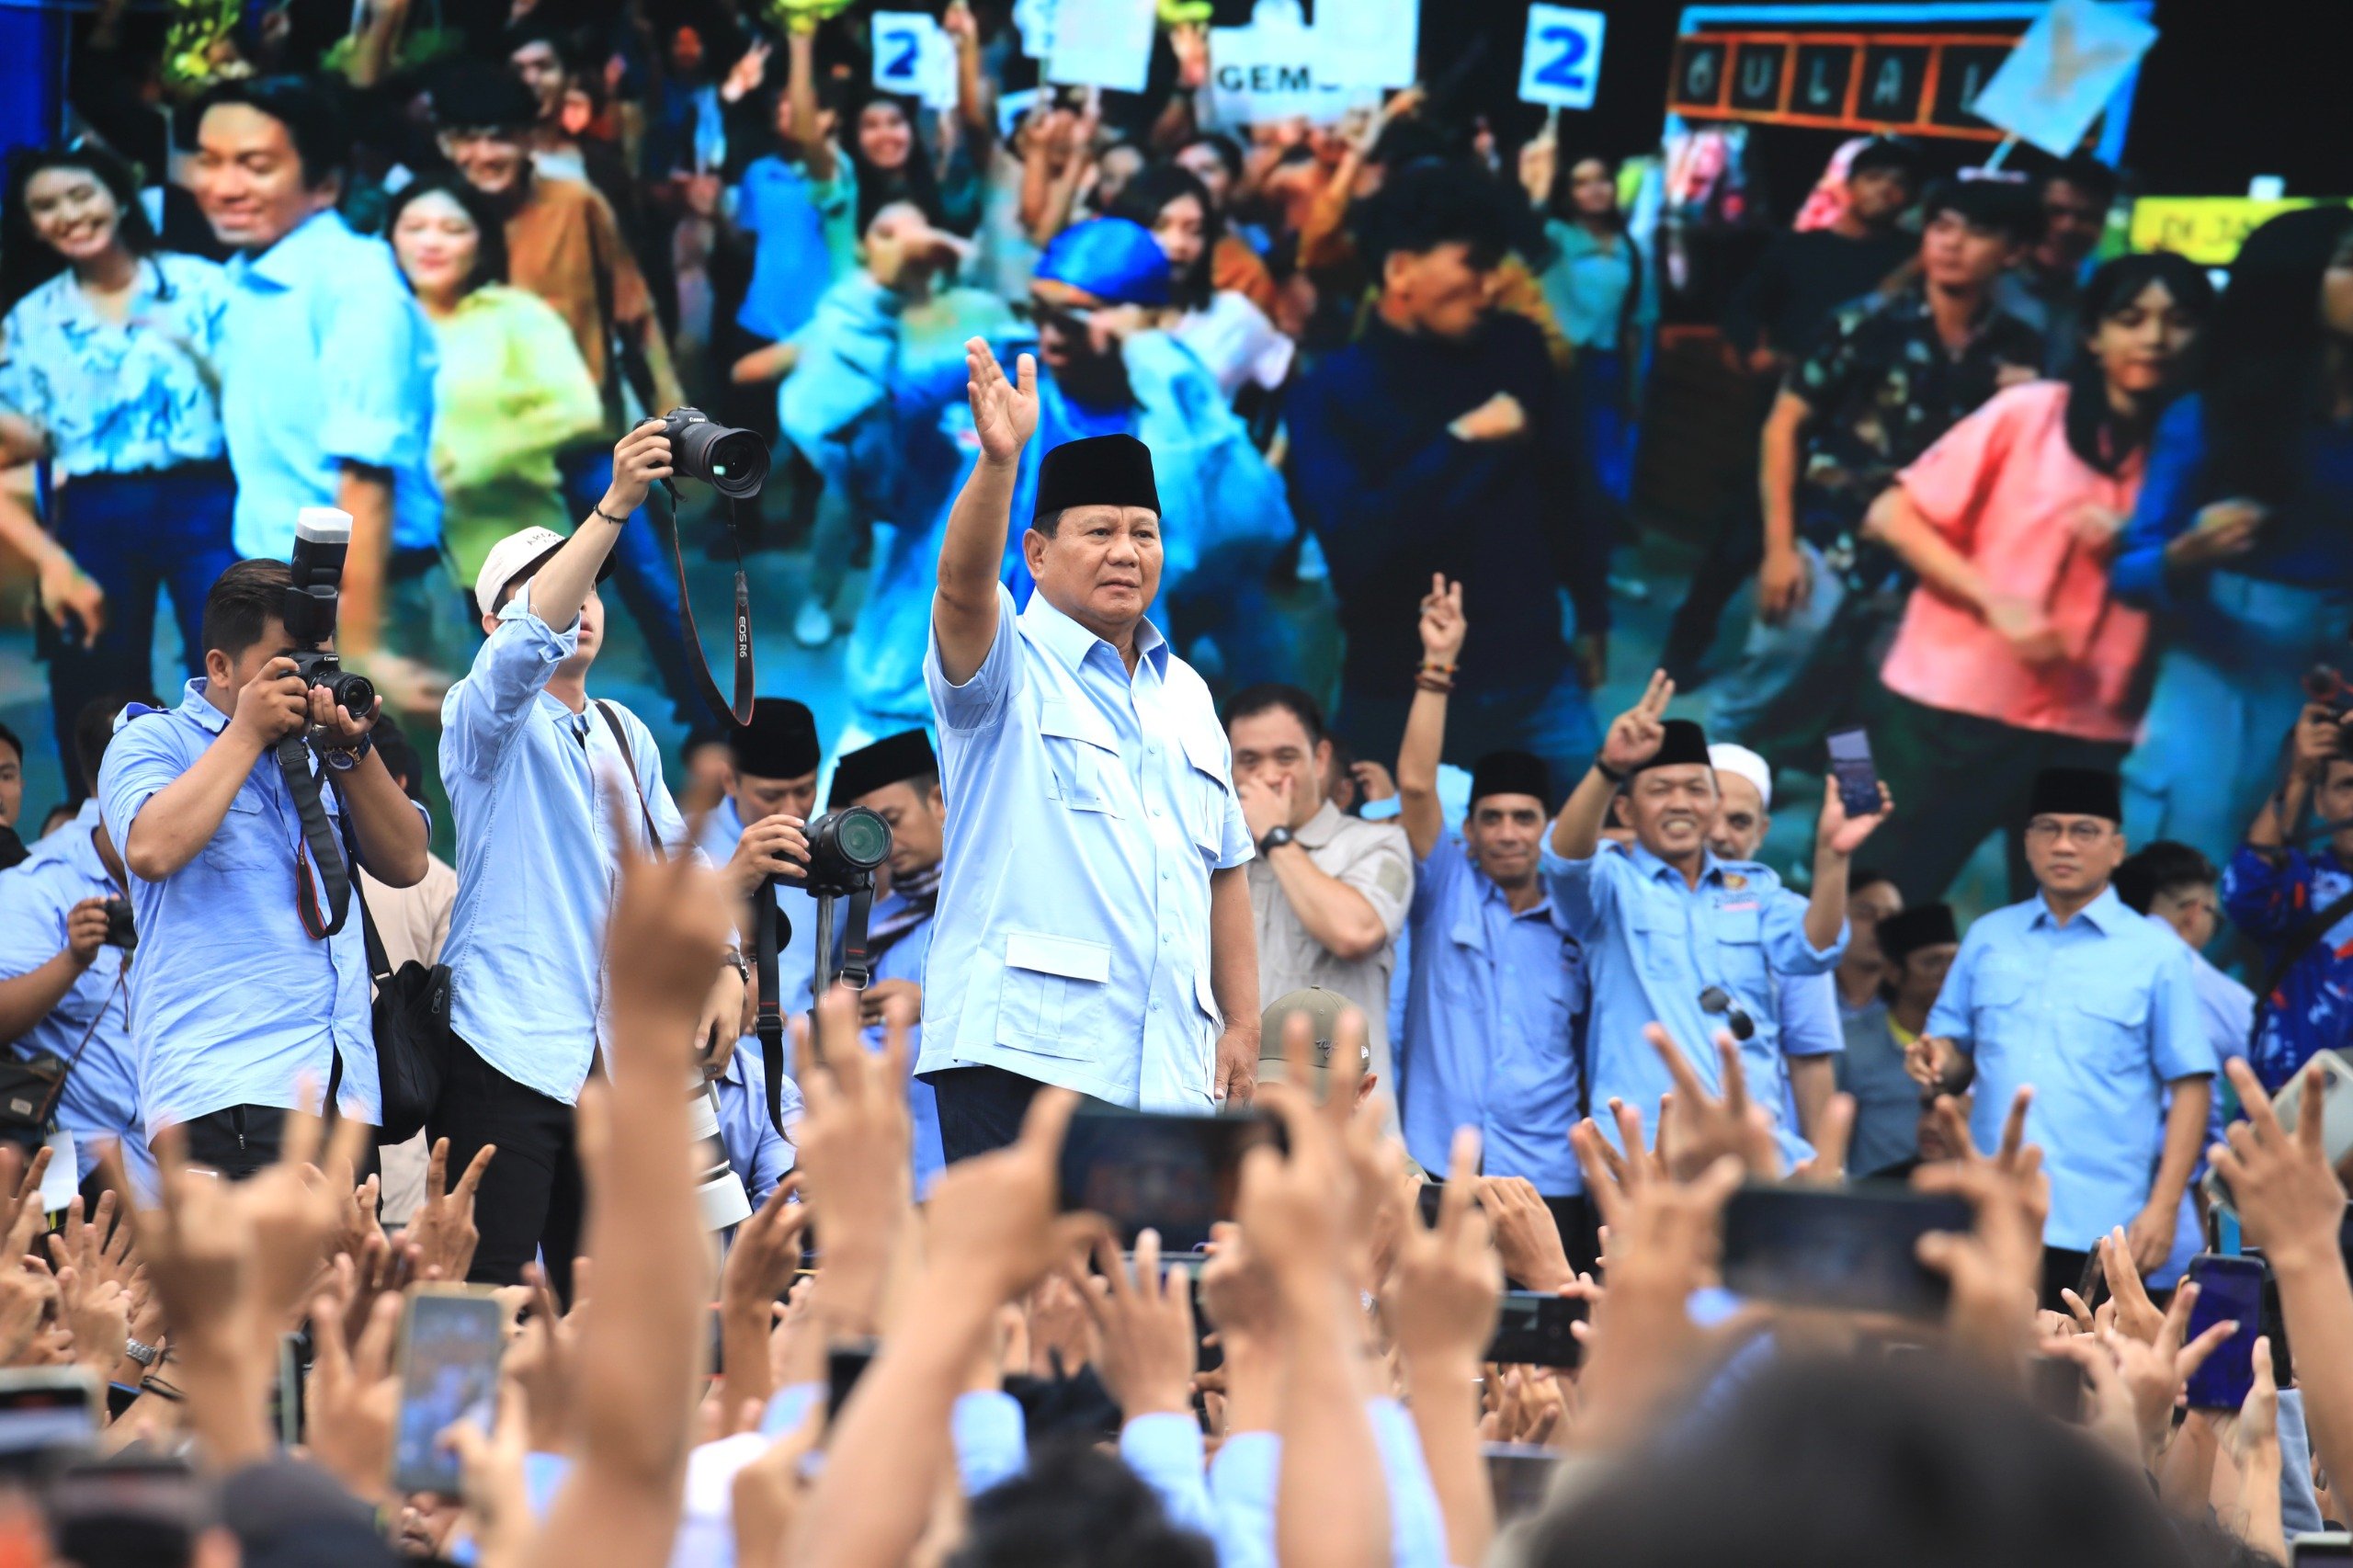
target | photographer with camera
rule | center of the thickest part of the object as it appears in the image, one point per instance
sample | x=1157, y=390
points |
x=2296, y=902
x=65, y=942
x=241, y=990
x=525, y=754
x=757, y=833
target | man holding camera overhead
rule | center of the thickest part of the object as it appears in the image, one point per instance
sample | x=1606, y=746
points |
x=1094, y=928
x=233, y=1001
x=65, y=940
x=525, y=754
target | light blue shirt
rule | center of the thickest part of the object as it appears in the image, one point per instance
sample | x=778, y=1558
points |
x=536, y=855
x=1653, y=944
x=231, y=1001
x=100, y=1104
x=755, y=1150
x=122, y=397
x=1248, y=1469
x=2226, y=1012
x=2100, y=1016
x=326, y=360
x=1806, y=1008
x=1490, y=1025
x=796, y=961
x=1086, y=810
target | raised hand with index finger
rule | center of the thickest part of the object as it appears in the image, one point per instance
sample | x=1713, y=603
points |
x=1636, y=734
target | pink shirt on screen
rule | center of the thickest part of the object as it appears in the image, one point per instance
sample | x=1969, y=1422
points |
x=2004, y=487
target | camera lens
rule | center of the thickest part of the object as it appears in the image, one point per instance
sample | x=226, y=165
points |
x=734, y=462
x=863, y=838
x=352, y=692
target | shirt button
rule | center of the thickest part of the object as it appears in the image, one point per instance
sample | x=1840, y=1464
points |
x=1156, y=811
x=1155, y=1006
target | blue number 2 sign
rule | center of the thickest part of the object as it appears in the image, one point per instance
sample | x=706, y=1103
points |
x=897, y=51
x=1560, y=65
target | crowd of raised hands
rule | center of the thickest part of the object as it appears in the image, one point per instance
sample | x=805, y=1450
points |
x=1350, y=1322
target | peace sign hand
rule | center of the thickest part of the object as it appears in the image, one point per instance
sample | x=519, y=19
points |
x=1442, y=625
x=1636, y=734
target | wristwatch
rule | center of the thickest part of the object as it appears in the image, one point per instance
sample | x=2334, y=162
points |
x=1277, y=836
x=342, y=760
x=145, y=1355
x=734, y=959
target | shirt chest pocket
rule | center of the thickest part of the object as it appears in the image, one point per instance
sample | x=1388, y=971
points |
x=243, y=842
x=2111, y=1019
x=1204, y=790
x=1082, y=758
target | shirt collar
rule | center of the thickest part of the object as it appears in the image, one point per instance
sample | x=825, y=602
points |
x=1322, y=828
x=1071, y=643
x=291, y=260
x=2107, y=913
x=76, y=845
x=197, y=706
x=1652, y=868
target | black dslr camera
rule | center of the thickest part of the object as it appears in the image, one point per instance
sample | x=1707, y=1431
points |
x=845, y=848
x=322, y=538
x=734, y=462
x=120, y=933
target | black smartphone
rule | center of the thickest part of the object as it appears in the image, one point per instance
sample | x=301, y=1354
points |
x=45, y=1409
x=293, y=1351
x=845, y=1364
x=1850, y=764
x=2056, y=1386
x=1518, y=1474
x=451, y=1337
x=2322, y=1549
x=1533, y=1331
x=2230, y=1289
x=1854, y=1250
x=1178, y=1175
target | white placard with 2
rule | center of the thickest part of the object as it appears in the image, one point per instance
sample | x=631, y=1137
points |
x=1561, y=66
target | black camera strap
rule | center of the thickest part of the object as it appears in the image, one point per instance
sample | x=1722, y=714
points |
x=857, y=964
x=740, y=712
x=771, y=930
x=319, y=847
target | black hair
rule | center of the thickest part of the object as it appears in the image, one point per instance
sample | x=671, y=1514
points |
x=400, y=758
x=2003, y=205
x=1143, y=199
x=1860, y=878
x=2160, y=868
x=1560, y=200
x=243, y=601
x=474, y=95
x=877, y=188
x=94, y=731
x=1228, y=151
x=26, y=260
x=1433, y=203
x=1821, y=1463
x=2095, y=432
x=2087, y=174
x=1892, y=153
x=1252, y=700
x=490, y=247
x=312, y=116
x=8, y=738
x=1076, y=1507
x=527, y=32
x=1411, y=140
x=2264, y=357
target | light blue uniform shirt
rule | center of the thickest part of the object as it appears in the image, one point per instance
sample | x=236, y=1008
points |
x=1490, y=1025
x=231, y=1001
x=796, y=961
x=1806, y=1008
x=1244, y=1476
x=755, y=1150
x=1086, y=810
x=2226, y=1012
x=904, y=959
x=1653, y=944
x=536, y=856
x=326, y=359
x=122, y=397
x=100, y=1104
x=2100, y=1016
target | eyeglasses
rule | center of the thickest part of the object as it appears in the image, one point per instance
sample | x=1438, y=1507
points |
x=1717, y=1003
x=2085, y=832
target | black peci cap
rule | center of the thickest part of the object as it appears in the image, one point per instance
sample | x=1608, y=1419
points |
x=1098, y=471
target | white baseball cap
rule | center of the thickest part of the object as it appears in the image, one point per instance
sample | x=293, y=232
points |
x=513, y=555
x=1726, y=757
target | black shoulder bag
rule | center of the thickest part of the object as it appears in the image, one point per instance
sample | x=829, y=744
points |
x=410, y=1019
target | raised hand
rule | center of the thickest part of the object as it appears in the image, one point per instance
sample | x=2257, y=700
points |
x=1696, y=1128
x=1446, y=1285
x=1442, y=626
x=1143, y=1325
x=444, y=1228
x=1838, y=834
x=1636, y=734
x=1526, y=1234
x=1005, y=414
x=2289, y=1199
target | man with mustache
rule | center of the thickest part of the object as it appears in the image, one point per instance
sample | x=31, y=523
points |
x=1672, y=934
